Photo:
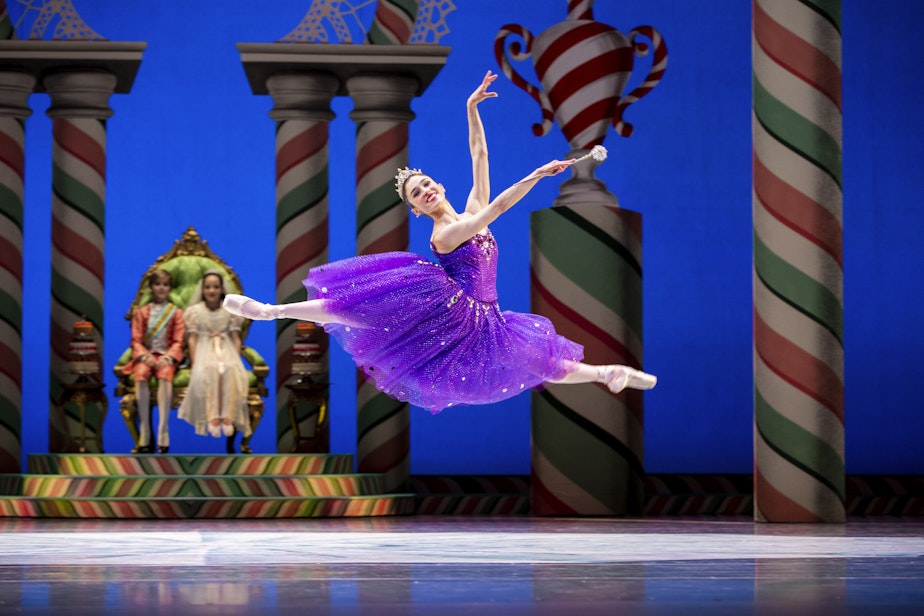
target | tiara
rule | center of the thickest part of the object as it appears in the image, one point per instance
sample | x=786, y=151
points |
x=402, y=177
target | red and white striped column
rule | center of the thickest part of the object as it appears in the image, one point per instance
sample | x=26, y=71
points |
x=79, y=108
x=393, y=22
x=15, y=88
x=798, y=267
x=382, y=111
x=587, y=444
x=302, y=113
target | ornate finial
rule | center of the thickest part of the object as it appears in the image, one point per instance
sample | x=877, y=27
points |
x=57, y=18
x=402, y=177
x=598, y=153
x=344, y=21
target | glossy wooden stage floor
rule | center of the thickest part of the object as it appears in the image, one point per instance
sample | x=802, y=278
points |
x=461, y=565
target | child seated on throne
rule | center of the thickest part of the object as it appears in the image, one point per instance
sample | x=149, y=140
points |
x=157, y=348
x=216, y=400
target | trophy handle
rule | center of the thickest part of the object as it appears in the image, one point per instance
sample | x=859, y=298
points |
x=538, y=95
x=658, y=64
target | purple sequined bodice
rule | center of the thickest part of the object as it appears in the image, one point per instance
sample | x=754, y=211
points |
x=431, y=333
x=474, y=266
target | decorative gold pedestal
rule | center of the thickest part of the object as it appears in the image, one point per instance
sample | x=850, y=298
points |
x=84, y=397
x=305, y=394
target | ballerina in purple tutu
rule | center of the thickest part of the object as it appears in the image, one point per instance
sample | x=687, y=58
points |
x=432, y=334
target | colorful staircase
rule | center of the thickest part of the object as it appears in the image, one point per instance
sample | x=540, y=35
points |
x=192, y=486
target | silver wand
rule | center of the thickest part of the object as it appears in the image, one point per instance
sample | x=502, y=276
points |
x=598, y=153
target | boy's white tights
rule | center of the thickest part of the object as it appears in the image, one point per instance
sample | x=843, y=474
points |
x=164, y=401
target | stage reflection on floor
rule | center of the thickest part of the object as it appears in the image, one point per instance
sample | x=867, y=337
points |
x=471, y=565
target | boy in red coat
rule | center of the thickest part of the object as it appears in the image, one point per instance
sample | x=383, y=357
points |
x=157, y=348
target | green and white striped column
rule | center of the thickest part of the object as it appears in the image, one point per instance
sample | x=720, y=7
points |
x=79, y=108
x=798, y=267
x=302, y=113
x=587, y=444
x=382, y=111
x=15, y=88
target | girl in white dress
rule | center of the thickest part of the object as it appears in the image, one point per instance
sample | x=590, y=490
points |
x=216, y=399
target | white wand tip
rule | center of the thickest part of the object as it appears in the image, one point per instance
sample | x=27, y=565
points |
x=598, y=153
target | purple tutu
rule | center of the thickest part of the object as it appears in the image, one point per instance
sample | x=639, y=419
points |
x=433, y=335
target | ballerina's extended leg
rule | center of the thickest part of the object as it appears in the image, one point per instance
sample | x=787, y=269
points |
x=250, y=308
x=311, y=310
x=616, y=377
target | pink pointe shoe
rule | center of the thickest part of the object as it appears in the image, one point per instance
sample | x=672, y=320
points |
x=616, y=378
x=227, y=429
x=215, y=430
x=251, y=309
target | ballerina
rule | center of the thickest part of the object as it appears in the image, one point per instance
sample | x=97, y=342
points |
x=433, y=334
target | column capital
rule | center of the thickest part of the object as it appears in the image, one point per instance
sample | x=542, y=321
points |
x=302, y=95
x=262, y=60
x=41, y=58
x=381, y=96
x=80, y=94
x=15, y=88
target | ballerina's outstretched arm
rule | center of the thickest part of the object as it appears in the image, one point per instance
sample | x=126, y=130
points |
x=478, y=147
x=456, y=233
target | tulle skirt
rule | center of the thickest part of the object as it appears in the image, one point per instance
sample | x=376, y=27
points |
x=421, y=339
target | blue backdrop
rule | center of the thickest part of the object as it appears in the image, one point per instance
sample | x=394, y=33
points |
x=190, y=145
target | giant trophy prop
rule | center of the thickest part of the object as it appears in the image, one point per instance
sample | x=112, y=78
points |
x=586, y=264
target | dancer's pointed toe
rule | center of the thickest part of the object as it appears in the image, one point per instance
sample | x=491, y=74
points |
x=617, y=378
x=641, y=380
x=248, y=308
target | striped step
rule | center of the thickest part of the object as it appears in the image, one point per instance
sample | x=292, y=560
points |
x=99, y=486
x=172, y=486
x=471, y=494
x=96, y=465
x=207, y=508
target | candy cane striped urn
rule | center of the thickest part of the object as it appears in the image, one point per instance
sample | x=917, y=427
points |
x=583, y=67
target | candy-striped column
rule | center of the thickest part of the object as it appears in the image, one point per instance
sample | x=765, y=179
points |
x=15, y=88
x=587, y=444
x=393, y=22
x=302, y=113
x=382, y=110
x=79, y=107
x=7, y=31
x=798, y=270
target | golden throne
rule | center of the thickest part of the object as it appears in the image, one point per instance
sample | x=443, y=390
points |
x=187, y=261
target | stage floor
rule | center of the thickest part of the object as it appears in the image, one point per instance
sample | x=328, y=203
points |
x=461, y=565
